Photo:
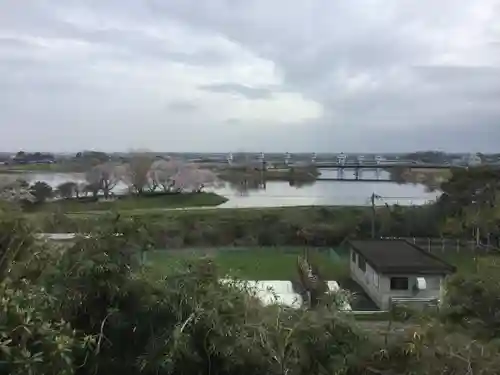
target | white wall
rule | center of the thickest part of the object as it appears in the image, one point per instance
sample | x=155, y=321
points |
x=369, y=280
x=433, y=288
x=378, y=287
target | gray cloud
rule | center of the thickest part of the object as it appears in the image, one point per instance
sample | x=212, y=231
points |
x=390, y=75
x=232, y=88
x=182, y=106
x=444, y=105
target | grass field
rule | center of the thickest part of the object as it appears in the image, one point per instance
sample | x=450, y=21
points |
x=466, y=263
x=156, y=201
x=259, y=263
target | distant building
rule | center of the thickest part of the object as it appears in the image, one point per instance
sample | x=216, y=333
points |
x=396, y=271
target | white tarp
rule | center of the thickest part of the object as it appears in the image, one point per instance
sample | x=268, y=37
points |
x=278, y=291
x=270, y=291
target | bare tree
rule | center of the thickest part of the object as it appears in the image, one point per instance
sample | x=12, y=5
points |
x=137, y=173
x=104, y=177
x=191, y=177
x=162, y=173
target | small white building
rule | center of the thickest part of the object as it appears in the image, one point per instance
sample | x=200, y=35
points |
x=396, y=271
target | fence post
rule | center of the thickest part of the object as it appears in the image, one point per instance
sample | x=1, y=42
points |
x=429, y=244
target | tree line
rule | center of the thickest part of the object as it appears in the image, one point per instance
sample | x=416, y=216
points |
x=141, y=174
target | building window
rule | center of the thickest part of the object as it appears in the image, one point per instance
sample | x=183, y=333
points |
x=353, y=257
x=362, y=263
x=399, y=283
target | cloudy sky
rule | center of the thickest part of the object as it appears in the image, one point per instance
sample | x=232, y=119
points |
x=250, y=75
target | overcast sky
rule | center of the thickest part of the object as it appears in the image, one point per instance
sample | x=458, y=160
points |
x=250, y=75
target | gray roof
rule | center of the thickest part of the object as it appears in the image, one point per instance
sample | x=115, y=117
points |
x=400, y=256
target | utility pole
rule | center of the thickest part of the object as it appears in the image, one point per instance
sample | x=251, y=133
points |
x=373, y=214
x=372, y=200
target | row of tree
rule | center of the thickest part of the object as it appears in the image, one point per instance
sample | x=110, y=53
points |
x=141, y=174
x=22, y=157
x=470, y=203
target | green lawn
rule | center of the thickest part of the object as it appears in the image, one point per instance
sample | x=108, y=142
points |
x=467, y=263
x=279, y=263
x=260, y=263
x=160, y=201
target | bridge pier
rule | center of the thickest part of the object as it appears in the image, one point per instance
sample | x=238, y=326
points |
x=340, y=173
x=357, y=173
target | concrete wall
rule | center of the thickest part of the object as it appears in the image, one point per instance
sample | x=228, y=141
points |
x=378, y=287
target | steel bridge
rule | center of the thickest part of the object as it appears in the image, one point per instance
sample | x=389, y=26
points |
x=344, y=161
x=381, y=165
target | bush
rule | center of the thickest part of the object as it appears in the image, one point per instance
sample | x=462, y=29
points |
x=33, y=339
x=472, y=300
x=187, y=323
x=41, y=191
x=294, y=226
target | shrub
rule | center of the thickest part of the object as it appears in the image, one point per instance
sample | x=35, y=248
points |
x=472, y=300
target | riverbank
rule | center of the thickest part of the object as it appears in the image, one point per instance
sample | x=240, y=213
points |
x=284, y=226
x=432, y=178
x=132, y=203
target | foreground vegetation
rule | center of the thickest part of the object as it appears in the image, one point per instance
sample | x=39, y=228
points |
x=94, y=309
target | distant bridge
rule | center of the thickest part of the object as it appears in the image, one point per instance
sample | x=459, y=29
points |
x=342, y=161
x=382, y=165
x=358, y=179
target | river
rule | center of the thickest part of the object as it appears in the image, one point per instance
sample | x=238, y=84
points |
x=281, y=193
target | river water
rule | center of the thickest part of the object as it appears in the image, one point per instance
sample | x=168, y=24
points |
x=281, y=193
